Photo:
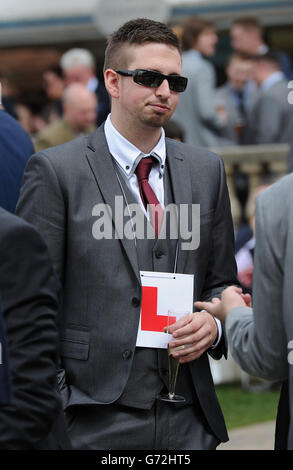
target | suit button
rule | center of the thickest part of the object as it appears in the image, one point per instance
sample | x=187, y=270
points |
x=126, y=354
x=135, y=302
x=159, y=254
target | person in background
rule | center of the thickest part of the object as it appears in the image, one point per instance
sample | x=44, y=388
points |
x=15, y=149
x=247, y=37
x=196, y=111
x=270, y=119
x=32, y=112
x=54, y=86
x=79, y=117
x=235, y=96
x=244, y=254
x=78, y=65
x=7, y=96
x=174, y=130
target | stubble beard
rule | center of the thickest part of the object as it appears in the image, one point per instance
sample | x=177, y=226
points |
x=156, y=120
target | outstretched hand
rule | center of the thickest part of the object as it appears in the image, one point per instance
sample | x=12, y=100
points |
x=231, y=297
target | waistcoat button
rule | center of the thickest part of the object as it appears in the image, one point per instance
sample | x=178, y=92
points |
x=135, y=302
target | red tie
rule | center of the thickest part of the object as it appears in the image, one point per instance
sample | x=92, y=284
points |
x=147, y=195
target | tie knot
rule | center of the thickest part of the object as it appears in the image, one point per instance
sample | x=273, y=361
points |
x=143, y=169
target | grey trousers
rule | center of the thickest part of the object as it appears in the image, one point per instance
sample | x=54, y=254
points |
x=117, y=427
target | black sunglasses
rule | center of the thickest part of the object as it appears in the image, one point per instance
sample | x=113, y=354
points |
x=153, y=79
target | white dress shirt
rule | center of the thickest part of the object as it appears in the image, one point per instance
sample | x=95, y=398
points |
x=127, y=157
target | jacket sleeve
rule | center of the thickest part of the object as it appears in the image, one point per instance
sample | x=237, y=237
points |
x=257, y=339
x=41, y=203
x=29, y=293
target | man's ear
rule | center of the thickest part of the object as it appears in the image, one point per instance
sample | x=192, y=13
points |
x=112, y=81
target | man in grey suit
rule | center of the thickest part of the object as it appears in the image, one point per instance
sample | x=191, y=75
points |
x=271, y=117
x=196, y=111
x=109, y=385
x=235, y=97
x=261, y=340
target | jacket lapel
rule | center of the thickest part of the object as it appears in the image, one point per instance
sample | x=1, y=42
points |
x=101, y=164
x=181, y=184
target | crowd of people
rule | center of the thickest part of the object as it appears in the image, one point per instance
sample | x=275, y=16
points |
x=234, y=113
x=75, y=377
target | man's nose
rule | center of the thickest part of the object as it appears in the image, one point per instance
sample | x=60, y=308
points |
x=163, y=89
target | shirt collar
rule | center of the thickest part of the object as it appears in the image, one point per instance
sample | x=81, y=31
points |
x=128, y=155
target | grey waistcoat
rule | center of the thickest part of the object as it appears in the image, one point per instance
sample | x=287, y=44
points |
x=149, y=373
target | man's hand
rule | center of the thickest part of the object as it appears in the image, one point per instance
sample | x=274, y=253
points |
x=196, y=332
x=231, y=297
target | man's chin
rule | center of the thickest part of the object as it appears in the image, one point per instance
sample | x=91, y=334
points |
x=157, y=121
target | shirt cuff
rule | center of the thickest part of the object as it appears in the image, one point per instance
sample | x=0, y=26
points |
x=219, y=325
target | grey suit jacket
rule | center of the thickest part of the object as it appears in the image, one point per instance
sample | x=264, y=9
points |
x=196, y=111
x=271, y=117
x=100, y=278
x=259, y=342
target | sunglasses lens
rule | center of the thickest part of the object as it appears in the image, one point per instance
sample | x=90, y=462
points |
x=154, y=79
x=148, y=78
x=177, y=83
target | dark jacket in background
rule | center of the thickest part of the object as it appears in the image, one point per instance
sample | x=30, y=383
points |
x=15, y=149
x=28, y=289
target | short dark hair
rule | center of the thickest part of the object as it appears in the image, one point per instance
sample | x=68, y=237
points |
x=56, y=70
x=192, y=28
x=249, y=23
x=137, y=32
x=271, y=57
x=238, y=56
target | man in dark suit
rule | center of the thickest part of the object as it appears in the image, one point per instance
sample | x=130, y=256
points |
x=15, y=149
x=109, y=385
x=6, y=395
x=28, y=289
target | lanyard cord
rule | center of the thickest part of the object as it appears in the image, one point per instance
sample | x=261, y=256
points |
x=133, y=229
